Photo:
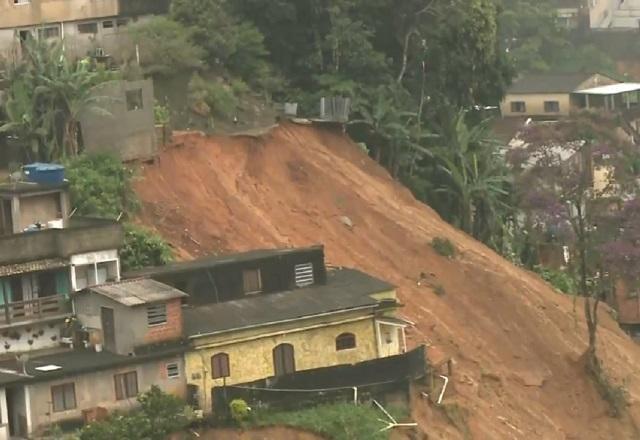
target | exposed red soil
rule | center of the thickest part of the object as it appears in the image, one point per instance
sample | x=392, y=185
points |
x=516, y=344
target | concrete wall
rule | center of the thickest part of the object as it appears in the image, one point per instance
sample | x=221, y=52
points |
x=126, y=132
x=98, y=389
x=601, y=12
x=63, y=243
x=251, y=356
x=50, y=11
x=42, y=208
x=131, y=329
x=535, y=104
x=4, y=416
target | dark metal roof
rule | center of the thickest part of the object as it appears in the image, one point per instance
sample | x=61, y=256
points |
x=73, y=362
x=548, y=83
x=137, y=292
x=217, y=260
x=346, y=289
x=29, y=187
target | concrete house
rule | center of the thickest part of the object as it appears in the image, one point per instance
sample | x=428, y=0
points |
x=128, y=337
x=126, y=126
x=266, y=313
x=45, y=255
x=98, y=26
x=553, y=95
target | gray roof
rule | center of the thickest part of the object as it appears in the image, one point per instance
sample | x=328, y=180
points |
x=216, y=260
x=346, y=289
x=69, y=363
x=548, y=83
x=137, y=292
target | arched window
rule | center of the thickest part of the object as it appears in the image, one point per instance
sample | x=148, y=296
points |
x=283, y=360
x=345, y=341
x=220, y=365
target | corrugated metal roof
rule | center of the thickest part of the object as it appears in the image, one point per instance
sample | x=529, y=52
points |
x=137, y=292
x=611, y=89
x=32, y=266
x=346, y=289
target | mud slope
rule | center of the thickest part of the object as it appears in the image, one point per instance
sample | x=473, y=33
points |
x=515, y=342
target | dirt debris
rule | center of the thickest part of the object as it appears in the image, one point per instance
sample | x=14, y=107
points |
x=288, y=187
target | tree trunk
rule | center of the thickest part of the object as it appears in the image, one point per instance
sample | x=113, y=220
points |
x=71, y=137
x=405, y=54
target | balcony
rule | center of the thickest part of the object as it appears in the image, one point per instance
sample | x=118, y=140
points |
x=82, y=235
x=21, y=312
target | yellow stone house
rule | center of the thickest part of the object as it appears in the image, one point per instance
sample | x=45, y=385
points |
x=346, y=320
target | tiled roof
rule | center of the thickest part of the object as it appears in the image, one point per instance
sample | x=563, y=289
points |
x=137, y=292
x=548, y=83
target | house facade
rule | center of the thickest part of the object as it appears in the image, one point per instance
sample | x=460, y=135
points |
x=554, y=95
x=86, y=26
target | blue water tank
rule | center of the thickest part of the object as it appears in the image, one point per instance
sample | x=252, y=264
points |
x=44, y=173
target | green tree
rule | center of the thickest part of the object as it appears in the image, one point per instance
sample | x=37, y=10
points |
x=143, y=248
x=166, y=47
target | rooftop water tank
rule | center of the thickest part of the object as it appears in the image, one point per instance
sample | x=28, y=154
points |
x=44, y=173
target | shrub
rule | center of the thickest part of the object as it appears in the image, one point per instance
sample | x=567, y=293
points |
x=439, y=290
x=100, y=186
x=443, y=247
x=216, y=95
x=165, y=47
x=159, y=415
x=143, y=248
x=561, y=280
x=161, y=113
x=239, y=410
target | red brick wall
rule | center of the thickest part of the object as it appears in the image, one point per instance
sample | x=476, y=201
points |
x=172, y=329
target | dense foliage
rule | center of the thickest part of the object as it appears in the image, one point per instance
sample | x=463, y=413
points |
x=101, y=186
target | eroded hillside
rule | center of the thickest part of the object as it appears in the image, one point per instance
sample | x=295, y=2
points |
x=516, y=343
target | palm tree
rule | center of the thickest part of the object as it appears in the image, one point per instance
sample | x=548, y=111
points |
x=472, y=175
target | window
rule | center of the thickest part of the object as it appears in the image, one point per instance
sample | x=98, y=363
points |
x=107, y=24
x=173, y=371
x=551, y=106
x=21, y=2
x=134, y=99
x=304, y=274
x=126, y=385
x=220, y=365
x=345, y=341
x=49, y=32
x=63, y=397
x=156, y=314
x=251, y=281
x=518, y=107
x=88, y=28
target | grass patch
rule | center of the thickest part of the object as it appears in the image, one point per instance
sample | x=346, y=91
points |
x=341, y=421
x=444, y=247
x=614, y=395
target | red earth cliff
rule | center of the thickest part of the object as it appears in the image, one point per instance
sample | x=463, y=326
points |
x=516, y=344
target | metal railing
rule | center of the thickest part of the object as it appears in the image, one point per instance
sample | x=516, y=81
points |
x=34, y=309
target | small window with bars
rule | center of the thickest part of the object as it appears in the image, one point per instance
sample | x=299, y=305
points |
x=304, y=274
x=173, y=371
x=156, y=314
x=251, y=281
x=220, y=366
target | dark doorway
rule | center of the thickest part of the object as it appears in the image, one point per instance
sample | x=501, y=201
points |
x=6, y=224
x=108, y=328
x=16, y=409
x=284, y=360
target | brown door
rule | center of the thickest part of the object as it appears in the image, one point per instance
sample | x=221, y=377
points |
x=284, y=360
x=108, y=328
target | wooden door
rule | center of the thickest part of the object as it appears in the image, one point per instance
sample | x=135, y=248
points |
x=108, y=328
x=284, y=360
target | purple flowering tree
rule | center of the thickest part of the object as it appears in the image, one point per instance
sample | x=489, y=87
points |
x=565, y=200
